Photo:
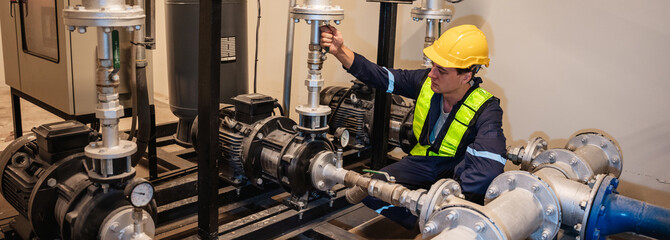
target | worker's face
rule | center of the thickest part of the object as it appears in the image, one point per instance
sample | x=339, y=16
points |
x=447, y=80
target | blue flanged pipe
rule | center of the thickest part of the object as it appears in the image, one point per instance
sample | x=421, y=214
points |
x=612, y=213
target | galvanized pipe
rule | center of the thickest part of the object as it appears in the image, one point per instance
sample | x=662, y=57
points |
x=108, y=99
x=431, y=29
x=288, y=62
x=315, y=63
x=595, y=157
x=317, y=2
x=571, y=194
x=460, y=232
x=106, y=4
x=431, y=4
x=516, y=212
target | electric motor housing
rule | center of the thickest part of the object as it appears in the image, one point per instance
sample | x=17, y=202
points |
x=270, y=148
x=353, y=109
x=44, y=177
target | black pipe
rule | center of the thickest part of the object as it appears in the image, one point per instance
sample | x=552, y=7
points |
x=208, y=102
x=143, y=114
x=388, y=14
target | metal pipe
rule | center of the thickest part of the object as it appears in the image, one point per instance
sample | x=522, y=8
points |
x=317, y=2
x=139, y=37
x=595, y=157
x=517, y=212
x=104, y=46
x=430, y=38
x=137, y=221
x=107, y=4
x=624, y=214
x=315, y=63
x=288, y=62
x=459, y=232
x=431, y=4
x=110, y=132
x=571, y=194
x=315, y=37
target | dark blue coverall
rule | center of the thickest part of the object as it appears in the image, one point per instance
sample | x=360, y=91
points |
x=474, y=169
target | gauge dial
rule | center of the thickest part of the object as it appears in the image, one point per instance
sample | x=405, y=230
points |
x=139, y=193
x=342, y=135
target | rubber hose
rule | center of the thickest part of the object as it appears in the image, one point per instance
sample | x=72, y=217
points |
x=143, y=115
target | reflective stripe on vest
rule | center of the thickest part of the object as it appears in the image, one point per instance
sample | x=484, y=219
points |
x=458, y=126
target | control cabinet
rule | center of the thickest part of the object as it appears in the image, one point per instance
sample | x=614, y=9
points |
x=53, y=65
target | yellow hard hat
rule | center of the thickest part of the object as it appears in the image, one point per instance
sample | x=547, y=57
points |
x=459, y=47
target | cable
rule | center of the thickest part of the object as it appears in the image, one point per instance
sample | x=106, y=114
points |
x=281, y=109
x=454, y=1
x=258, y=26
x=339, y=103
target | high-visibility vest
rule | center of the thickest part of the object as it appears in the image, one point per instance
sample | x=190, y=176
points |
x=458, y=127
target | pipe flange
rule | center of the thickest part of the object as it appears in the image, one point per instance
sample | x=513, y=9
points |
x=79, y=16
x=534, y=148
x=614, y=156
x=119, y=225
x=125, y=148
x=551, y=207
x=438, y=14
x=321, y=110
x=461, y=216
x=319, y=171
x=572, y=165
x=437, y=195
x=600, y=179
x=317, y=12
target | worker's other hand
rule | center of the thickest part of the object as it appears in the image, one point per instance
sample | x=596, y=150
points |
x=331, y=39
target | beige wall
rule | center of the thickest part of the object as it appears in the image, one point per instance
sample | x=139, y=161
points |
x=562, y=66
x=557, y=66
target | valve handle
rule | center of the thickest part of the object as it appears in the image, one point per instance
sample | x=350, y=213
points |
x=389, y=178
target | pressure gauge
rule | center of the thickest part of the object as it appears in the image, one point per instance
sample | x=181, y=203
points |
x=139, y=192
x=342, y=135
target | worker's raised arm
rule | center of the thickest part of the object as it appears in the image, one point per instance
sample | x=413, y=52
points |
x=331, y=39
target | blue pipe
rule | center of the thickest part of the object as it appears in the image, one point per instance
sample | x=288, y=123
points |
x=613, y=213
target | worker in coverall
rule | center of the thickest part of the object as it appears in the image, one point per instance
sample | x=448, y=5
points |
x=457, y=124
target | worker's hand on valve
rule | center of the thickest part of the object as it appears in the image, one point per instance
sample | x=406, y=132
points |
x=331, y=39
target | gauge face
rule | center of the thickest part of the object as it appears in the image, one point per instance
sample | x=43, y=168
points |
x=141, y=194
x=343, y=136
x=344, y=139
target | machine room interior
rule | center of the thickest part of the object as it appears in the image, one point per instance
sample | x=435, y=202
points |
x=567, y=74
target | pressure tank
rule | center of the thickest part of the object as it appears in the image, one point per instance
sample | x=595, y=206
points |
x=182, y=51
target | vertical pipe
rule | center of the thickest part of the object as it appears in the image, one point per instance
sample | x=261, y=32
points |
x=109, y=127
x=208, y=103
x=288, y=62
x=104, y=46
x=431, y=4
x=16, y=115
x=315, y=65
x=153, y=155
x=150, y=23
x=430, y=38
x=388, y=13
x=110, y=132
